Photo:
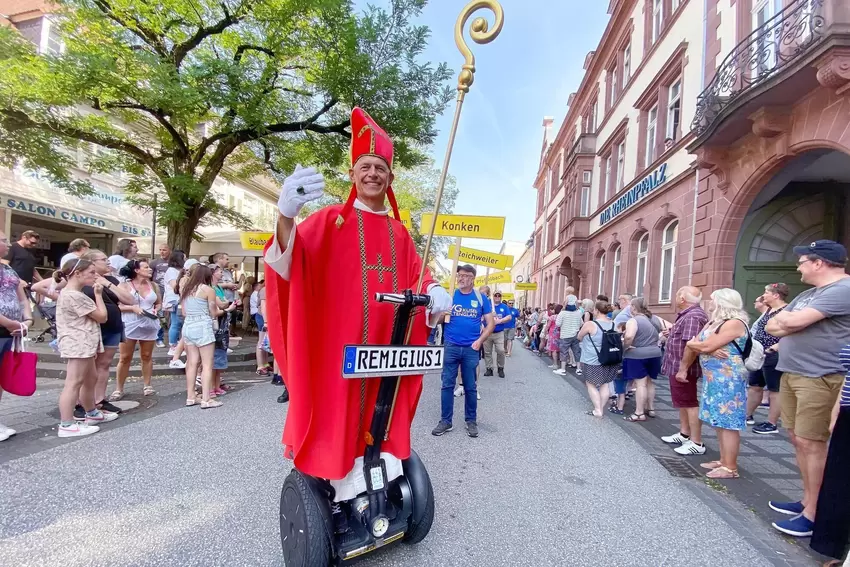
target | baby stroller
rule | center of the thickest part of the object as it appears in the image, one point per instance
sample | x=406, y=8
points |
x=48, y=313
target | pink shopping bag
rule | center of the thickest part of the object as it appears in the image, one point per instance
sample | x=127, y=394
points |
x=17, y=370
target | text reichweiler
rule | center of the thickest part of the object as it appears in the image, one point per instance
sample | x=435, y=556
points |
x=640, y=190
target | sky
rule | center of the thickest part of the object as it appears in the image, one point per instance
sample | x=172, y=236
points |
x=526, y=73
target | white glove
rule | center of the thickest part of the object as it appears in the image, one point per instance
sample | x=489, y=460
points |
x=441, y=303
x=312, y=186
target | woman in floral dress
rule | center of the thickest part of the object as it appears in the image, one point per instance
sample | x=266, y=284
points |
x=720, y=346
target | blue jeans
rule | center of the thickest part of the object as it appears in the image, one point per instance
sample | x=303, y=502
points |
x=466, y=358
x=161, y=333
x=176, y=326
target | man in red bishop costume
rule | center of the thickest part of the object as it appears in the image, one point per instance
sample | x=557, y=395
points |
x=324, y=274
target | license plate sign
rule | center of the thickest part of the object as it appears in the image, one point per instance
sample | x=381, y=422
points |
x=366, y=361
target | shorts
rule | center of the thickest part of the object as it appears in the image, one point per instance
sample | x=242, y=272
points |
x=684, y=395
x=198, y=333
x=260, y=321
x=807, y=404
x=111, y=340
x=768, y=376
x=510, y=334
x=220, y=359
x=636, y=368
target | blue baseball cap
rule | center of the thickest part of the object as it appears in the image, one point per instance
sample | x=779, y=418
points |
x=826, y=249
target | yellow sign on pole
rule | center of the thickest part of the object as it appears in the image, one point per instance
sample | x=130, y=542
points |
x=254, y=240
x=498, y=277
x=482, y=258
x=404, y=219
x=467, y=226
x=530, y=286
x=507, y=296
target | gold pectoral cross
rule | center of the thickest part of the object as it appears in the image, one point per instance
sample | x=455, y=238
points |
x=380, y=268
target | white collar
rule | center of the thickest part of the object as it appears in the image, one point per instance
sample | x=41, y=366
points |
x=358, y=204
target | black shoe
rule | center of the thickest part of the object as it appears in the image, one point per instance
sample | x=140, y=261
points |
x=488, y=372
x=79, y=413
x=106, y=406
x=501, y=372
x=441, y=428
x=284, y=397
x=277, y=380
x=472, y=429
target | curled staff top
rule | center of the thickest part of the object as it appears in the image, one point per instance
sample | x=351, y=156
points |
x=480, y=33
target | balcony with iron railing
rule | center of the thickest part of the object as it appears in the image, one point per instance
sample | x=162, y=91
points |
x=773, y=66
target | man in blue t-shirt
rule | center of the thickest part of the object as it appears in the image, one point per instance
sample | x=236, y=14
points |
x=463, y=337
x=502, y=318
x=510, y=330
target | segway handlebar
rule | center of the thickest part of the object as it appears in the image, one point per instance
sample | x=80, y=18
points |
x=415, y=300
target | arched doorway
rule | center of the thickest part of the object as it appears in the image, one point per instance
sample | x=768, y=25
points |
x=805, y=201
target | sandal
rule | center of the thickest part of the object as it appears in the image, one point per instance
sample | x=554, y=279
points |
x=116, y=395
x=615, y=409
x=148, y=391
x=591, y=413
x=651, y=413
x=191, y=402
x=211, y=404
x=635, y=417
x=722, y=472
x=711, y=465
x=264, y=371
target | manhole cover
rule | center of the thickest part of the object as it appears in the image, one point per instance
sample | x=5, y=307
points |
x=126, y=404
x=677, y=467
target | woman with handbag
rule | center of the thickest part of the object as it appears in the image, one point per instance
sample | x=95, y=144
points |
x=721, y=347
x=198, y=302
x=222, y=332
x=15, y=316
x=78, y=320
x=141, y=324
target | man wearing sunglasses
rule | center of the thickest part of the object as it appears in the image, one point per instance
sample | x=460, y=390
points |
x=812, y=330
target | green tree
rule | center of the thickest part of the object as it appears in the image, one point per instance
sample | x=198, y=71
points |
x=415, y=189
x=181, y=91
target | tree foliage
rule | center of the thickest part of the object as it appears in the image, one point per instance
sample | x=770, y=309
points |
x=181, y=91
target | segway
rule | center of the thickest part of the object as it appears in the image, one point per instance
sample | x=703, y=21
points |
x=315, y=531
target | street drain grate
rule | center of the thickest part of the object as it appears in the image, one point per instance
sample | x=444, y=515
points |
x=677, y=467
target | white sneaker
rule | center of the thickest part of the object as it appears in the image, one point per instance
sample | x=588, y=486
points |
x=3, y=435
x=458, y=391
x=8, y=431
x=560, y=372
x=578, y=372
x=551, y=366
x=171, y=351
x=690, y=448
x=230, y=351
x=102, y=417
x=678, y=438
x=479, y=395
x=177, y=364
x=77, y=430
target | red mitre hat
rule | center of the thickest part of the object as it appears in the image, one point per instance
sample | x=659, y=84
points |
x=368, y=139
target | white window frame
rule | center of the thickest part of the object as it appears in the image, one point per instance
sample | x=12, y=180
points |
x=47, y=25
x=627, y=64
x=657, y=19
x=651, y=134
x=586, y=176
x=621, y=166
x=674, y=107
x=584, y=203
x=768, y=8
x=548, y=187
x=615, y=272
x=608, y=182
x=602, y=260
x=642, y=263
x=674, y=5
x=612, y=95
x=594, y=110
x=668, y=248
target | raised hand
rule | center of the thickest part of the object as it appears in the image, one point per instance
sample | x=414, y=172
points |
x=303, y=186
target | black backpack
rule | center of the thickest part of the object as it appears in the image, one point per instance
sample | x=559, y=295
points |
x=611, y=347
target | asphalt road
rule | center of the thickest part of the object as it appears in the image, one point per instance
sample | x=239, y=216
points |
x=544, y=484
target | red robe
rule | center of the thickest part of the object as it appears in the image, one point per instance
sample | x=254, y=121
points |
x=320, y=309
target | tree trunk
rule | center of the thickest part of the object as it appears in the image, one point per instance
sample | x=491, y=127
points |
x=180, y=233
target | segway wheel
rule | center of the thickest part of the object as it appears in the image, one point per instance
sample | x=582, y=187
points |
x=302, y=533
x=419, y=529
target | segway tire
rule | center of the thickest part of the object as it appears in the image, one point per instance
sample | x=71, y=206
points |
x=302, y=532
x=419, y=530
